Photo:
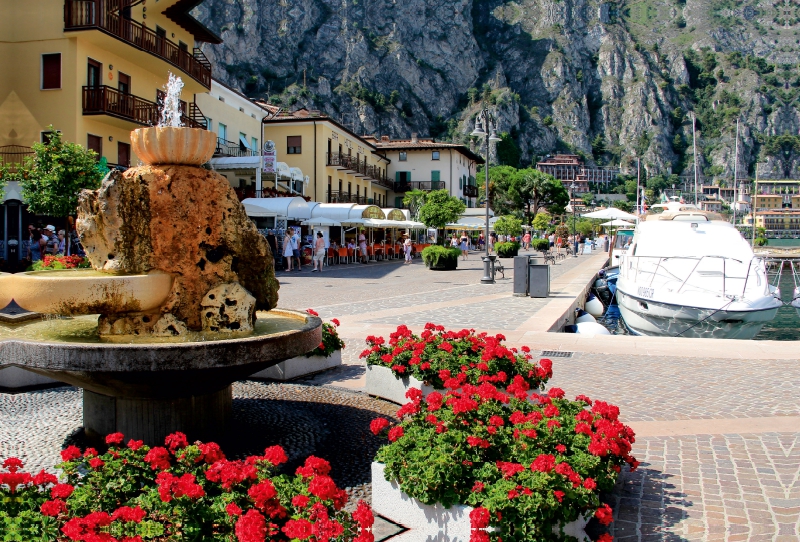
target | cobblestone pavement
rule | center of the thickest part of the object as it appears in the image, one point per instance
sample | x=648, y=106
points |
x=737, y=483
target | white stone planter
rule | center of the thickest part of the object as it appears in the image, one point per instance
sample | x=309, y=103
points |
x=383, y=383
x=433, y=523
x=16, y=377
x=300, y=366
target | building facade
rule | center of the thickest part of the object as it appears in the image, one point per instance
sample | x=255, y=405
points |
x=341, y=166
x=426, y=164
x=570, y=169
x=94, y=70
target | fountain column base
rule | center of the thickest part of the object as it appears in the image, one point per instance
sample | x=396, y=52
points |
x=200, y=417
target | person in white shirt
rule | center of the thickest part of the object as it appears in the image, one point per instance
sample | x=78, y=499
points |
x=296, y=248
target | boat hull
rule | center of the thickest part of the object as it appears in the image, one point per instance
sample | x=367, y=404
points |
x=653, y=318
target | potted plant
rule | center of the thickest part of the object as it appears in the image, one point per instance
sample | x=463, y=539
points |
x=326, y=355
x=429, y=361
x=441, y=258
x=506, y=467
x=60, y=262
x=507, y=249
x=180, y=491
x=541, y=245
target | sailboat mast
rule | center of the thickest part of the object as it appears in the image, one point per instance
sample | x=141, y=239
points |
x=638, y=184
x=735, y=171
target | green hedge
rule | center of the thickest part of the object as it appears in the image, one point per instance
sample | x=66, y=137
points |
x=507, y=249
x=444, y=258
x=541, y=245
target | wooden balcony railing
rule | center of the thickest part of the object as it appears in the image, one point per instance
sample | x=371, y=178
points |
x=346, y=197
x=108, y=16
x=105, y=100
x=14, y=155
x=359, y=167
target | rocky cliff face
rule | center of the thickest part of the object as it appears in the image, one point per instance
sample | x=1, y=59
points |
x=612, y=81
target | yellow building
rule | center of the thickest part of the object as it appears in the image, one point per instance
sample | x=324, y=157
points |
x=779, y=222
x=94, y=69
x=341, y=167
x=767, y=201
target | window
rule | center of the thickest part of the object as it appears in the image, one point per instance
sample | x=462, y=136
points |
x=403, y=156
x=124, y=83
x=254, y=144
x=435, y=155
x=94, y=73
x=223, y=131
x=349, y=188
x=123, y=154
x=209, y=124
x=95, y=143
x=403, y=177
x=294, y=144
x=435, y=175
x=46, y=136
x=51, y=71
x=182, y=46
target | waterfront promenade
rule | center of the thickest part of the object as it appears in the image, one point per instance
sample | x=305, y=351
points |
x=718, y=422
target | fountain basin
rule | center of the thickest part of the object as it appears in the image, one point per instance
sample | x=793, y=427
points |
x=148, y=389
x=86, y=291
x=5, y=289
x=175, y=146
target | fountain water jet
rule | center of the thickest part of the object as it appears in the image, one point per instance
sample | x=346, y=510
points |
x=180, y=273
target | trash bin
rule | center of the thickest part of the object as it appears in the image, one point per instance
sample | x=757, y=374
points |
x=521, y=275
x=538, y=279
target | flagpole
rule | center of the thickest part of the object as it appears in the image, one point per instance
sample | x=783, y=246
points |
x=735, y=172
x=753, y=201
x=638, y=161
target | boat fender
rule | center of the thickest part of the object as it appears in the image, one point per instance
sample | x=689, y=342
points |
x=570, y=328
x=594, y=306
x=583, y=316
x=591, y=328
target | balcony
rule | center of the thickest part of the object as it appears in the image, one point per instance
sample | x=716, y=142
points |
x=427, y=186
x=470, y=191
x=14, y=155
x=109, y=101
x=359, y=168
x=233, y=149
x=347, y=197
x=106, y=16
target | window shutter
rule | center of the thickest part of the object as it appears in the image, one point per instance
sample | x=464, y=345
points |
x=294, y=141
x=51, y=71
x=397, y=176
x=434, y=176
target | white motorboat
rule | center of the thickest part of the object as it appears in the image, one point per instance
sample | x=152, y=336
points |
x=623, y=238
x=689, y=275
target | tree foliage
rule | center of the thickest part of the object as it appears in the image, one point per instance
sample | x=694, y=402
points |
x=542, y=221
x=440, y=208
x=414, y=200
x=52, y=179
x=508, y=225
x=526, y=190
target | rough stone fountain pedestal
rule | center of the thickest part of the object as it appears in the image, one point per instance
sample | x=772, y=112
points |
x=179, y=274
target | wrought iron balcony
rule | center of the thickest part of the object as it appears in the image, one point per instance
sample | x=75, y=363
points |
x=231, y=148
x=426, y=186
x=105, y=100
x=107, y=16
x=347, y=197
x=470, y=191
x=359, y=168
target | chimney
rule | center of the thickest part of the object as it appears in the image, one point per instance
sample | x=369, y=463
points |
x=385, y=138
x=414, y=137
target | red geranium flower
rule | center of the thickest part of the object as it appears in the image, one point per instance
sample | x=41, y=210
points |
x=395, y=433
x=604, y=514
x=114, y=438
x=53, y=508
x=479, y=518
x=251, y=527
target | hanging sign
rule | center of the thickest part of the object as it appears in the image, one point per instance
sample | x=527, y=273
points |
x=270, y=156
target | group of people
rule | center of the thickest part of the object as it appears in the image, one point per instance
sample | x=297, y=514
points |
x=461, y=243
x=45, y=242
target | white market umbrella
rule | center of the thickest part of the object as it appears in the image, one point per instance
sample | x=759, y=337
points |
x=612, y=213
x=320, y=221
x=620, y=223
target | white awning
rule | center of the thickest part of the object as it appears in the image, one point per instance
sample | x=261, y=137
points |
x=336, y=211
x=296, y=173
x=292, y=208
x=228, y=163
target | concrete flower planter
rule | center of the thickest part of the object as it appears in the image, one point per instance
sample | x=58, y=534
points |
x=177, y=146
x=300, y=366
x=433, y=522
x=382, y=382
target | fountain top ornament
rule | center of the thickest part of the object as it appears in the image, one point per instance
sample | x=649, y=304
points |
x=171, y=108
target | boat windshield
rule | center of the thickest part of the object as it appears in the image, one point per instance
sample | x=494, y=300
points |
x=624, y=239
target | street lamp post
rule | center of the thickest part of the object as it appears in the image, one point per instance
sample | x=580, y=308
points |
x=572, y=188
x=485, y=117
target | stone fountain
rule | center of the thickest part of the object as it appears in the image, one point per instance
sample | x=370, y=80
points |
x=181, y=281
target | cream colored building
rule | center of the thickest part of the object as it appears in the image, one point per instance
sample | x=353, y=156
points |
x=426, y=164
x=94, y=70
x=341, y=166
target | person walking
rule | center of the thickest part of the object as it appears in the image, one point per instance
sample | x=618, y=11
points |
x=272, y=241
x=581, y=244
x=62, y=242
x=296, y=248
x=362, y=246
x=407, y=249
x=37, y=245
x=288, y=253
x=552, y=240
x=464, y=245
x=319, y=252
x=526, y=241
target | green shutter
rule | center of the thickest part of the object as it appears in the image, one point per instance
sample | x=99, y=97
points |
x=434, y=176
x=398, y=202
x=397, y=176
